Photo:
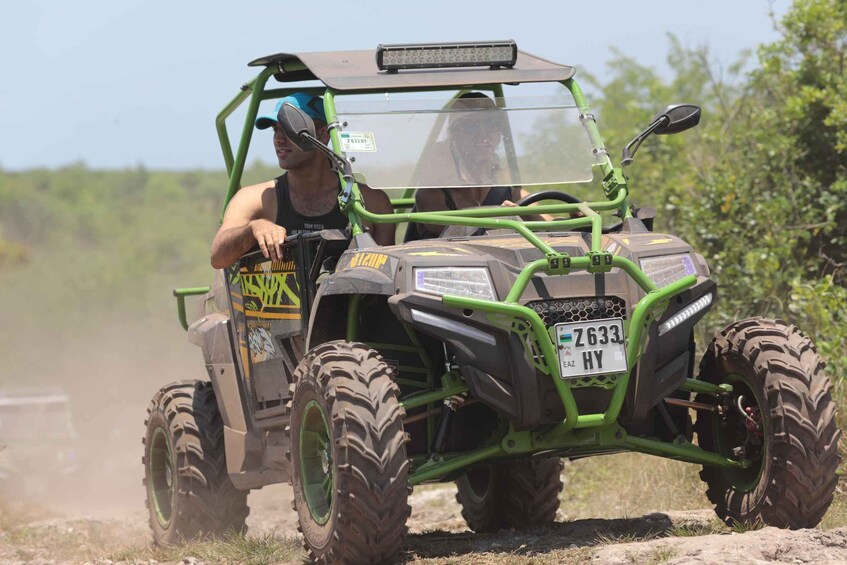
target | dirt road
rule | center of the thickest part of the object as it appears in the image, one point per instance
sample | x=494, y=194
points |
x=437, y=535
x=615, y=508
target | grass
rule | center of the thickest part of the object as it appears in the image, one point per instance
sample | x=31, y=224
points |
x=233, y=549
x=743, y=527
x=630, y=484
x=836, y=516
x=695, y=529
x=628, y=537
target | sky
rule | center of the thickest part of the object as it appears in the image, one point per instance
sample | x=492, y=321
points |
x=119, y=84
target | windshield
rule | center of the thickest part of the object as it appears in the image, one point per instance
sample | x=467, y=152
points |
x=471, y=141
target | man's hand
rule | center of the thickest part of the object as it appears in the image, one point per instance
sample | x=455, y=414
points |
x=270, y=238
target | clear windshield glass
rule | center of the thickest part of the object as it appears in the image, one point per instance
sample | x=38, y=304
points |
x=469, y=142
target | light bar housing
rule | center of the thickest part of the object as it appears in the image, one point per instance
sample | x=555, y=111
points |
x=494, y=54
x=695, y=307
x=666, y=269
x=472, y=282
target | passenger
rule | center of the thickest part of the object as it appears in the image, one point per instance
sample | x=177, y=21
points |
x=467, y=156
x=304, y=198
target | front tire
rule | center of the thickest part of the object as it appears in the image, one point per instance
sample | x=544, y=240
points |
x=348, y=455
x=515, y=494
x=189, y=493
x=789, y=431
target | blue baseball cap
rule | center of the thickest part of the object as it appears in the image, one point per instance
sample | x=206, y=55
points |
x=313, y=106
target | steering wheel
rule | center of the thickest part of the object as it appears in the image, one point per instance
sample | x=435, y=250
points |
x=548, y=195
x=564, y=197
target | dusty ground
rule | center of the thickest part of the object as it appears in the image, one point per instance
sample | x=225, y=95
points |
x=615, y=509
x=437, y=535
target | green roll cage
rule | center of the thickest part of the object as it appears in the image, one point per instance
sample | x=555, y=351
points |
x=578, y=434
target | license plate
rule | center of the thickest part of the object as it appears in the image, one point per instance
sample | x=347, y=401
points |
x=597, y=347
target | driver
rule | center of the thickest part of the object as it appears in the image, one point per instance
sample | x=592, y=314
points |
x=304, y=198
x=468, y=156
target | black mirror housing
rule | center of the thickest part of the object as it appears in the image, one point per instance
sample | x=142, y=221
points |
x=676, y=118
x=297, y=126
x=673, y=119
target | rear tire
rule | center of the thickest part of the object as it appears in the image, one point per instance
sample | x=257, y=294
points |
x=348, y=455
x=514, y=494
x=189, y=493
x=794, y=449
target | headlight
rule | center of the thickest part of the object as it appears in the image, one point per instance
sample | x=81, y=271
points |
x=667, y=269
x=472, y=282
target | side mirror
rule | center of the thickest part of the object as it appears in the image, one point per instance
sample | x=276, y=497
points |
x=297, y=126
x=673, y=119
x=676, y=118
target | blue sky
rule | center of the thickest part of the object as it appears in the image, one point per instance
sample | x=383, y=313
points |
x=124, y=83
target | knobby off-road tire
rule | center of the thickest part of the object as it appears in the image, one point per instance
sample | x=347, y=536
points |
x=514, y=494
x=348, y=455
x=777, y=368
x=189, y=493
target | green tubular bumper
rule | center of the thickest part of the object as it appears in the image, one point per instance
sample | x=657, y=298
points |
x=645, y=311
x=568, y=442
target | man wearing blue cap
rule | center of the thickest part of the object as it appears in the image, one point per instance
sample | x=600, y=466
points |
x=304, y=198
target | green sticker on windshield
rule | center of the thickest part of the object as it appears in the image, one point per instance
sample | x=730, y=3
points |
x=361, y=141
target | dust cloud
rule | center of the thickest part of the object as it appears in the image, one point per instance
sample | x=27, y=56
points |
x=109, y=376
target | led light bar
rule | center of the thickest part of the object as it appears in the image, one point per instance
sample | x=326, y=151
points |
x=697, y=306
x=492, y=54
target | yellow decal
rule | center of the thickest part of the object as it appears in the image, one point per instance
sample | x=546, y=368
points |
x=270, y=290
x=372, y=260
x=660, y=241
x=245, y=364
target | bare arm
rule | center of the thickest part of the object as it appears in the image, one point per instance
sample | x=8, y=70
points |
x=246, y=222
x=523, y=194
x=430, y=200
x=378, y=202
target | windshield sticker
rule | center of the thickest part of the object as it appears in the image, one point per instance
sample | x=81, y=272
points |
x=358, y=141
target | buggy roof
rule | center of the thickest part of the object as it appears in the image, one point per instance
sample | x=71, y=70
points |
x=357, y=71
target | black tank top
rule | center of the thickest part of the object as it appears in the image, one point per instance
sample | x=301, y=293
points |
x=495, y=197
x=294, y=222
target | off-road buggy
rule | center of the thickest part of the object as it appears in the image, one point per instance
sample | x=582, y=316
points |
x=38, y=442
x=484, y=356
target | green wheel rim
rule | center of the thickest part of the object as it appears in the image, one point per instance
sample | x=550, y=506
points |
x=479, y=480
x=317, y=473
x=742, y=480
x=160, y=470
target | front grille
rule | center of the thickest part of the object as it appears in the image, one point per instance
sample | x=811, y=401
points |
x=569, y=310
